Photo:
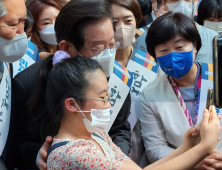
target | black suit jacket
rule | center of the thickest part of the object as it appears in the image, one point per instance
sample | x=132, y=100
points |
x=26, y=148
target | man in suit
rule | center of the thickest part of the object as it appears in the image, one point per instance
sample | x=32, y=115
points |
x=85, y=34
x=13, y=45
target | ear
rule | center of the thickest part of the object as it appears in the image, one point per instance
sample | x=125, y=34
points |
x=70, y=105
x=67, y=47
x=156, y=12
x=195, y=48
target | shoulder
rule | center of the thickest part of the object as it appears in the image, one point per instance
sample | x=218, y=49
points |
x=140, y=44
x=104, y=135
x=74, y=147
x=30, y=71
x=155, y=84
x=27, y=79
x=156, y=90
x=140, y=41
x=203, y=31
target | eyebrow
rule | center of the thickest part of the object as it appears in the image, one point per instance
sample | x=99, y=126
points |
x=103, y=91
x=128, y=16
x=16, y=20
x=178, y=40
x=101, y=42
x=45, y=19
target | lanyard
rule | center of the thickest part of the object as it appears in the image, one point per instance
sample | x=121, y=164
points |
x=176, y=90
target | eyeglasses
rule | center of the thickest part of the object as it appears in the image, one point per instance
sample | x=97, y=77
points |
x=105, y=100
x=104, y=49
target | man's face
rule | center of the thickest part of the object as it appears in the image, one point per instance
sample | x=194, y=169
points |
x=98, y=34
x=12, y=23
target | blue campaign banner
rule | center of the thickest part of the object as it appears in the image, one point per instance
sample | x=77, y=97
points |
x=33, y=51
x=31, y=56
x=207, y=71
x=125, y=75
x=146, y=60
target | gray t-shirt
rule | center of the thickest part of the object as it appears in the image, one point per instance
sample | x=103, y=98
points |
x=205, y=54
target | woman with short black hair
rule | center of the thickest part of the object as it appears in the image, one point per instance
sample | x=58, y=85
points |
x=170, y=104
x=210, y=15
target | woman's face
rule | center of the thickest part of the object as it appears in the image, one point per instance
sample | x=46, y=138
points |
x=47, y=17
x=98, y=90
x=177, y=44
x=214, y=18
x=122, y=15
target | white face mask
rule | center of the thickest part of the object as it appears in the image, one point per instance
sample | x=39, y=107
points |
x=100, y=119
x=187, y=8
x=216, y=26
x=13, y=49
x=106, y=60
x=48, y=35
x=125, y=33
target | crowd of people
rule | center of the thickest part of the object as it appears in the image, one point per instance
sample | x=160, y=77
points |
x=57, y=60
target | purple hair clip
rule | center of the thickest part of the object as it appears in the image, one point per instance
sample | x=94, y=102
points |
x=58, y=56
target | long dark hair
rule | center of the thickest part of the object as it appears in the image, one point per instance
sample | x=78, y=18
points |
x=69, y=78
x=36, y=7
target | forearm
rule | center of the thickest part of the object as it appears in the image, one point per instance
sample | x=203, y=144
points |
x=180, y=159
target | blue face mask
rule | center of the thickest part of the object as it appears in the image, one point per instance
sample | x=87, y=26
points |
x=176, y=64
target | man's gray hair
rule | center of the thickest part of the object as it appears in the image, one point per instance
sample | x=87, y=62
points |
x=3, y=10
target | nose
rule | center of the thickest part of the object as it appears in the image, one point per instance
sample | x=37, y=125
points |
x=20, y=28
x=108, y=105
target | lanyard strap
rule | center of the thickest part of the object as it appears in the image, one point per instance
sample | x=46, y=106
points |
x=197, y=90
x=197, y=96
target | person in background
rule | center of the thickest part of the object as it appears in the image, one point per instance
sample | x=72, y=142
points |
x=93, y=20
x=13, y=46
x=76, y=110
x=205, y=53
x=158, y=11
x=127, y=16
x=174, y=96
x=44, y=13
x=210, y=15
x=161, y=9
x=29, y=24
x=146, y=8
x=186, y=7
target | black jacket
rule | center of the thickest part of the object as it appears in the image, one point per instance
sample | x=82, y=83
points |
x=26, y=148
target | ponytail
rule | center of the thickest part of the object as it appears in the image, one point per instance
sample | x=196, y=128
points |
x=37, y=102
x=68, y=78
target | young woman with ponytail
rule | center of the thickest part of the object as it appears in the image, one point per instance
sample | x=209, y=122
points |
x=71, y=103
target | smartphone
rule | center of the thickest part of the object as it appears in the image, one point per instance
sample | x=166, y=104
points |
x=210, y=98
x=217, y=71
